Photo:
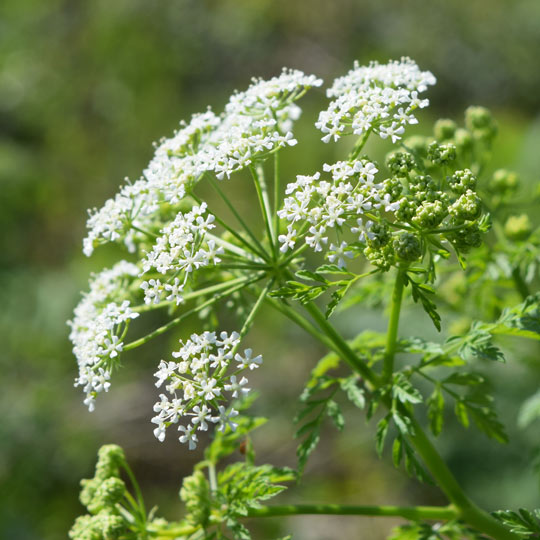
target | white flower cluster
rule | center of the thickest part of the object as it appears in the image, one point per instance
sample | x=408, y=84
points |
x=97, y=326
x=255, y=123
x=378, y=98
x=182, y=247
x=198, y=385
x=315, y=207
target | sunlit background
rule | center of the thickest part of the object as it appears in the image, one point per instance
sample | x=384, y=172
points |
x=85, y=88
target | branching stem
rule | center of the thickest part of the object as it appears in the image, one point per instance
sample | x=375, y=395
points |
x=412, y=513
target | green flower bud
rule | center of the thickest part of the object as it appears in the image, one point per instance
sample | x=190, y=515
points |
x=480, y=121
x=83, y=529
x=383, y=257
x=406, y=209
x=463, y=139
x=504, y=181
x=88, y=491
x=441, y=153
x=462, y=181
x=444, y=129
x=518, y=227
x=110, y=458
x=422, y=185
x=467, y=208
x=112, y=525
x=400, y=163
x=379, y=235
x=430, y=214
x=109, y=492
x=103, y=526
x=393, y=187
x=407, y=247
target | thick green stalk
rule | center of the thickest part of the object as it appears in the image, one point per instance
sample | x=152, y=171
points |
x=393, y=324
x=413, y=513
x=466, y=509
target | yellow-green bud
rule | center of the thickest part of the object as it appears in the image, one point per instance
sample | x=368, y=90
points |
x=400, y=163
x=441, y=153
x=444, y=129
x=430, y=214
x=461, y=181
x=468, y=207
x=383, y=257
x=504, y=181
x=463, y=138
x=518, y=227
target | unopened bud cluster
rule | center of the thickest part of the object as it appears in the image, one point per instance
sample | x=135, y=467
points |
x=101, y=495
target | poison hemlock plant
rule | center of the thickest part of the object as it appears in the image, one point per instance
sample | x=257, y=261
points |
x=404, y=230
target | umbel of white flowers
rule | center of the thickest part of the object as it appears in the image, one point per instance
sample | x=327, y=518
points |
x=256, y=123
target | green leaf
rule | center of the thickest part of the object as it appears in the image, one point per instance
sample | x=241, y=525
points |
x=380, y=436
x=418, y=345
x=420, y=294
x=464, y=378
x=337, y=296
x=461, y=412
x=311, y=276
x=334, y=412
x=299, y=291
x=306, y=448
x=333, y=269
x=353, y=391
x=403, y=390
x=397, y=451
x=529, y=410
x=435, y=405
x=524, y=524
x=403, y=423
x=228, y=441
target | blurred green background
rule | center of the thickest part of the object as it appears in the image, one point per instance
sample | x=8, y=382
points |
x=85, y=87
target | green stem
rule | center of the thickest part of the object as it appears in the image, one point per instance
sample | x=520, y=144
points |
x=137, y=489
x=359, y=145
x=277, y=188
x=414, y=513
x=393, y=324
x=174, y=322
x=264, y=203
x=259, y=248
x=466, y=509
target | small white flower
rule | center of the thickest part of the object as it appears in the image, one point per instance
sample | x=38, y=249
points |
x=188, y=436
x=247, y=361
